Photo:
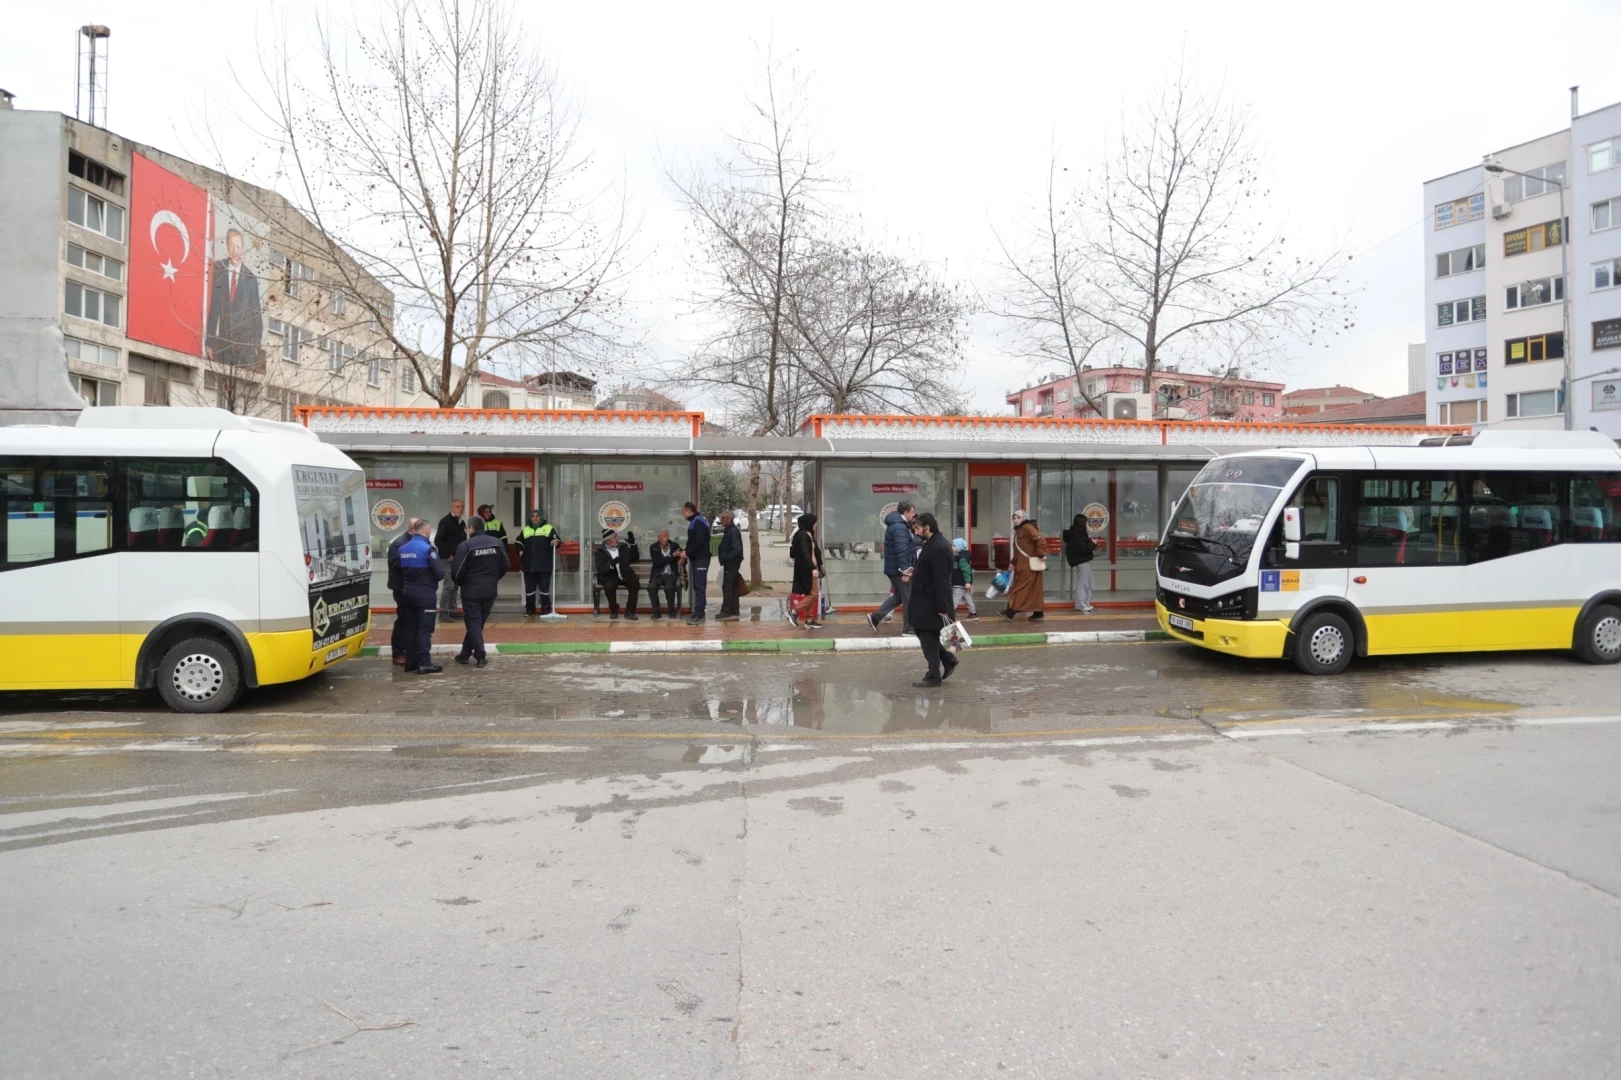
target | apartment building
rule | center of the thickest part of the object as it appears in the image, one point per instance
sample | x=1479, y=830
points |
x=1322, y=398
x=138, y=277
x=1512, y=283
x=1177, y=395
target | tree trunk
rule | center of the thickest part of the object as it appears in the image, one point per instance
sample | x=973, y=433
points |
x=755, y=580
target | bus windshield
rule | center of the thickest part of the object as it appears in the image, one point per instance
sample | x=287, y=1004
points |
x=1222, y=512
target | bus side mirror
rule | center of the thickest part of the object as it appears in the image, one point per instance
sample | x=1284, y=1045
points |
x=1291, y=532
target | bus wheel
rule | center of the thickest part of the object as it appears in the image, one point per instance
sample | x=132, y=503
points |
x=1599, y=639
x=199, y=675
x=1324, y=644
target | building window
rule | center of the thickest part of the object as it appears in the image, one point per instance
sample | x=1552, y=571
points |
x=338, y=303
x=497, y=399
x=1606, y=214
x=1063, y=394
x=1531, y=350
x=374, y=374
x=1535, y=182
x=408, y=379
x=95, y=172
x=1607, y=334
x=1460, y=311
x=1462, y=412
x=297, y=272
x=93, y=304
x=1534, y=293
x=1249, y=397
x=96, y=214
x=1603, y=155
x=1269, y=400
x=292, y=337
x=1459, y=211
x=1532, y=403
x=1461, y=261
x=334, y=355
x=90, y=352
x=1459, y=363
x=96, y=391
x=94, y=263
x=1607, y=274
x=157, y=390
x=1535, y=238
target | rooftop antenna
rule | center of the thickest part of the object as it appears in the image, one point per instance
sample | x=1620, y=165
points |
x=90, y=95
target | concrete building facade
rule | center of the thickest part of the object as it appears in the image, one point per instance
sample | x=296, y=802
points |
x=1496, y=298
x=77, y=233
x=1177, y=395
x=1322, y=398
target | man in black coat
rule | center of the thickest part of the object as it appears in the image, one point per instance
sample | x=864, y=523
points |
x=481, y=562
x=612, y=564
x=447, y=537
x=397, y=638
x=697, y=559
x=236, y=320
x=731, y=567
x=665, y=576
x=930, y=607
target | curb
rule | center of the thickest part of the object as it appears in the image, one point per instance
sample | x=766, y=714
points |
x=791, y=645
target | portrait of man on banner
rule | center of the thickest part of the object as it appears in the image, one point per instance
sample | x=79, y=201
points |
x=238, y=276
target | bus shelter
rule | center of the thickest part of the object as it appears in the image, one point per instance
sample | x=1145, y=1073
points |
x=589, y=470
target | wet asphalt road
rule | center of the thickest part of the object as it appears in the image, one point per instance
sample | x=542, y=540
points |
x=1116, y=860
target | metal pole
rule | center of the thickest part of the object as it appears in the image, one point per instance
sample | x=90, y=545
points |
x=551, y=597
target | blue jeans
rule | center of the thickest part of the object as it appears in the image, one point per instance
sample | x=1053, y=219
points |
x=698, y=574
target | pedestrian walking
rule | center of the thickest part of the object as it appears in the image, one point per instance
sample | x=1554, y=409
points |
x=730, y=556
x=614, y=571
x=962, y=580
x=929, y=603
x=537, y=547
x=804, y=598
x=1029, y=569
x=396, y=586
x=447, y=537
x=696, y=556
x=421, y=571
x=481, y=563
x=1079, y=548
x=900, y=553
x=665, y=576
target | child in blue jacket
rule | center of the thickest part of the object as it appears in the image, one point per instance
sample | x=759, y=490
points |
x=962, y=578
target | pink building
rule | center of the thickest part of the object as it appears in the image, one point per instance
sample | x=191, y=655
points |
x=1178, y=395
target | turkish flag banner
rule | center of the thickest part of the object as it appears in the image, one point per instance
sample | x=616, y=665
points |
x=168, y=258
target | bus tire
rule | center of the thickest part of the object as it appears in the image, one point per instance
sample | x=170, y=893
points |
x=1598, y=639
x=199, y=675
x=1324, y=644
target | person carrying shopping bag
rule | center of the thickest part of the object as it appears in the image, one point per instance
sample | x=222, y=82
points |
x=804, y=599
x=1029, y=569
x=929, y=606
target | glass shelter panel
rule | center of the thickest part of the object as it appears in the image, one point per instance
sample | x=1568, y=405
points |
x=399, y=488
x=855, y=499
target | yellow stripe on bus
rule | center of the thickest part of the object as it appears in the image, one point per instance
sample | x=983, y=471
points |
x=107, y=661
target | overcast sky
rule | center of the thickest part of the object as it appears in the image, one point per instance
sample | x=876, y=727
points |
x=942, y=116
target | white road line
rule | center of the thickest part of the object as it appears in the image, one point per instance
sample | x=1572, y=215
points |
x=31, y=818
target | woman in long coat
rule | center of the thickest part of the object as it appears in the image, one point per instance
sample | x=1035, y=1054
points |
x=1025, y=593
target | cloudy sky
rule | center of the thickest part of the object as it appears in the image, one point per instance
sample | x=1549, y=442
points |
x=942, y=116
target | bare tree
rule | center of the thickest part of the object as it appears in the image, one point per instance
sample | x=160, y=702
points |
x=876, y=333
x=442, y=152
x=753, y=213
x=1167, y=251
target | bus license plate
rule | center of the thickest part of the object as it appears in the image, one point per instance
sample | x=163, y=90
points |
x=1181, y=622
x=335, y=654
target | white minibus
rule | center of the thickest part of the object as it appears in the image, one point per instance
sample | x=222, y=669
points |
x=1464, y=543
x=193, y=551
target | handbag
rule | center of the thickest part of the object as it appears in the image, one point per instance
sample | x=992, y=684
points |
x=954, y=637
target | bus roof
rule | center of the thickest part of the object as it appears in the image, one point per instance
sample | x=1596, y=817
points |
x=1509, y=450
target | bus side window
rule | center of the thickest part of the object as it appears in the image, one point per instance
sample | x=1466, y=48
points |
x=1405, y=519
x=187, y=504
x=1319, y=502
x=1514, y=512
x=1595, y=509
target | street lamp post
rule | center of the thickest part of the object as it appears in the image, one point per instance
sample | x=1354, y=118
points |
x=1492, y=165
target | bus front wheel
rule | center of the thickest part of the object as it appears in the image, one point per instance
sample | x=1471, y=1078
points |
x=1598, y=640
x=1324, y=644
x=199, y=675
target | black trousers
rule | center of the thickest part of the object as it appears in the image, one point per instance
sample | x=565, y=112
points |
x=930, y=640
x=478, y=612
x=731, y=577
x=655, y=588
x=632, y=586
x=397, y=636
x=537, y=591
x=419, y=622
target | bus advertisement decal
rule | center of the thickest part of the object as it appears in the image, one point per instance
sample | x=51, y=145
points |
x=338, y=610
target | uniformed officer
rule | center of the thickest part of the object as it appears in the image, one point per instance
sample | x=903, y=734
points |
x=421, y=571
x=481, y=561
x=537, y=541
x=492, y=524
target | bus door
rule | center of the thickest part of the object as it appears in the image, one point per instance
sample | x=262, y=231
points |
x=1407, y=558
x=1322, y=567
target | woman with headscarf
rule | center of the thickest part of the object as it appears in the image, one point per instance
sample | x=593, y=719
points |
x=1029, y=549
x=803, y=599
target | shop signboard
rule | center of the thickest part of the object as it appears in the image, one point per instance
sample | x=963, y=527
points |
x=894, y=489
x=617, y=485
x=1607, y=334
x=1606, y=394
x=385, y=485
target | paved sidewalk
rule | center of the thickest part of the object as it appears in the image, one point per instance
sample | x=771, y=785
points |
x=761, y=631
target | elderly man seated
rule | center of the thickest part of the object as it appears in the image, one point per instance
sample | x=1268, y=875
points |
x=614, y=571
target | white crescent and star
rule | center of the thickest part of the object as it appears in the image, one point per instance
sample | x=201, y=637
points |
x=169, y=217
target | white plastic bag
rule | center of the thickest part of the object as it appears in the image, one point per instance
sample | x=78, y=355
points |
x=954, y=637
